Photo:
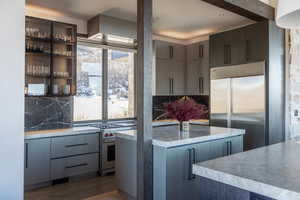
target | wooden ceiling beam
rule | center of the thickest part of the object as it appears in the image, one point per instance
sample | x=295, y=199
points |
x=252, y=9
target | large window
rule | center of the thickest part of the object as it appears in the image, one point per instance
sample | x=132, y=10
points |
x=88, y=101
x=120, y=84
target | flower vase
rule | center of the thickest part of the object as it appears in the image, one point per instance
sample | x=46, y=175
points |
x=184, y=126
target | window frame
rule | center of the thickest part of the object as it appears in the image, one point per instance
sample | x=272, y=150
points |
x=104, y=96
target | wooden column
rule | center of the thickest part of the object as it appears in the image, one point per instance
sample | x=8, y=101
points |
x=252, y=9
x=144, y=101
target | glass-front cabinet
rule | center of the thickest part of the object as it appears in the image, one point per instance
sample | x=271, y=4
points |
x=50, y=65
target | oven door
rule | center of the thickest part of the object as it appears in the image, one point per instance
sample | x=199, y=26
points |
x=109, y=155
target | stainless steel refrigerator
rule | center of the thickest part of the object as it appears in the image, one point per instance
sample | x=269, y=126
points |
x=238, y=101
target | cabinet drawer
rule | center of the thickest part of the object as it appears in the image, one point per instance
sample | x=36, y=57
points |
x=71, y=166
x=74, y=145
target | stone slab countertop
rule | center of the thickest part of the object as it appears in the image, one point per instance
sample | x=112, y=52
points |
x=170, y=136
x=60, y=132
x=272, y=171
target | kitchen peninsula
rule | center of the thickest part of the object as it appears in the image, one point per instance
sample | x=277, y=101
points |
x=262, y=174
x=174, y=153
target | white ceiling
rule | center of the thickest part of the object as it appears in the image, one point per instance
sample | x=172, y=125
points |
x=180, y=19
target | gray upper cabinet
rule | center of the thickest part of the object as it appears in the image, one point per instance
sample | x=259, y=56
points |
x=198, y=68
x=37, y=161
x=256, y=39
x=170, y=68
x=243, y=45
x=163, y=50
x=179, y=53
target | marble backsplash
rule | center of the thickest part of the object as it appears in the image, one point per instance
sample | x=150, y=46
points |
x=48, y=113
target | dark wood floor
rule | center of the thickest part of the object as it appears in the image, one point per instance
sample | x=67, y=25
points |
x=98, y=188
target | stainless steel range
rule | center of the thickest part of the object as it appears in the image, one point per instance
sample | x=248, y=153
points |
x=107, y=144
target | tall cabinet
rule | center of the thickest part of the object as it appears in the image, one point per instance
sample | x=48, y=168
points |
x=170, y=68
x=262, y=41
x=181, y=69
x=198, y=69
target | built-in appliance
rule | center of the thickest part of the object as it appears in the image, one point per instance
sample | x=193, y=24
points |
x=107, y=143
x=238, y=101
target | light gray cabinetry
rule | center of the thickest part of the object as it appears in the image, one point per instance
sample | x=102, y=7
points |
x=74, y=145
x=74, y=155
x=37, y=161
x=163, y=50
x=173, y=178
x=198, y=76
x=76, y=165
x=170, y=68
x=48, y=159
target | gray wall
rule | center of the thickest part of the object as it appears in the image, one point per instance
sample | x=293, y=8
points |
x=12, y=40
x=48, y=112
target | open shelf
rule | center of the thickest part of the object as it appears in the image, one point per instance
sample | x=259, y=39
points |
x=45, y=39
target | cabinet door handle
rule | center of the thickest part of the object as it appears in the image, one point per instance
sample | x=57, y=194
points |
x=227, y=54
x=26, y=155
x=76, y=145
x=247, y=50
x=229, y=148
x=170, y=86
x=192, y=160
x=172, y=81
x=74, y=166
x=201, y=51
x=171, y=51
x=201, y=87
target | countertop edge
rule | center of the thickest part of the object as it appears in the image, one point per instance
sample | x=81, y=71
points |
x=59, y=133
x=170, y=144
x=201, y=139
x=246, y=184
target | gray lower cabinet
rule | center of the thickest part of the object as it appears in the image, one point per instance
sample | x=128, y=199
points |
x=71, y=166
x=59, y=157
x=74, y=145
x=173, y=177
x=37, y=161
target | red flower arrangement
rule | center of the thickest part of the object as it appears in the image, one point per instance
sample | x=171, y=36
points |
x=185, y=109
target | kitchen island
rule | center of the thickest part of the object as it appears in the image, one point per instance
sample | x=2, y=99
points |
x=271, y=172
x=174, y=153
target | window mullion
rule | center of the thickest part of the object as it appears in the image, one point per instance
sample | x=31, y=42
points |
x=105, y=84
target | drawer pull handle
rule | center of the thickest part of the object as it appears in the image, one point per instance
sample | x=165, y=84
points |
x=74, y=166
x=76, y=145
x=192, y=160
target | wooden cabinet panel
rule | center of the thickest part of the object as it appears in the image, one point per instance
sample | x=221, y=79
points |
x=239, y=46
x=37, y=161
x=256, y=39
x=217, y=50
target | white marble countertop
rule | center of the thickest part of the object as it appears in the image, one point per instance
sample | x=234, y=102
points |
x=60, y=132
x=272, y=171
x=170, y=136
